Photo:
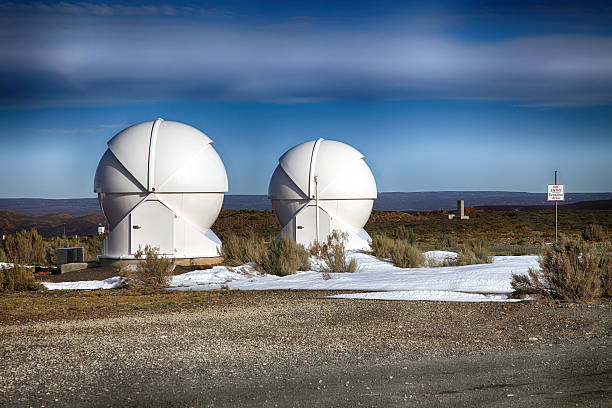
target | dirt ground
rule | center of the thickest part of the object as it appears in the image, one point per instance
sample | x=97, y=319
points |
x=295, y=348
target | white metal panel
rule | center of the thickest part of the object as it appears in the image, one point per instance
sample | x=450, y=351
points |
x=201, y=172
x=117, y=206
x=343, y=172
x=176, y=145
x=282, y=187
x=296, y=163
x=200, y=209
x=152, y=223
x=286, y=210
x=131, y=148
x=112, y=177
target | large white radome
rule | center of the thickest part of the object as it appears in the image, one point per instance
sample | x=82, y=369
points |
x=328, y=175
x=161, y=183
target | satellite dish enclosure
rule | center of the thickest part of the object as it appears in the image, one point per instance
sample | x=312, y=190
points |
x=321, y=186
x=161, y=183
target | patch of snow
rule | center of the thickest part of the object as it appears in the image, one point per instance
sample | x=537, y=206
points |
x=435, y=295
x=473, y=283
x=212, y=278
x=109, y=283
x=378, y=275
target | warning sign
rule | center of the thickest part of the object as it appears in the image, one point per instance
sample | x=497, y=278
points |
x=555, y=192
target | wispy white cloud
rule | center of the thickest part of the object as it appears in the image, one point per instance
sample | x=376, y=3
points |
x=105, y=9
x=85, y=130
x=119, y=61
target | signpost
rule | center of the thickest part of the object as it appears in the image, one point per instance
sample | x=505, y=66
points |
x=555, y=192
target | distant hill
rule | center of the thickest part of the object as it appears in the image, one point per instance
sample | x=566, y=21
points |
x=391, y=201
x=581, y=205
x=50, y=225
x=447, y=200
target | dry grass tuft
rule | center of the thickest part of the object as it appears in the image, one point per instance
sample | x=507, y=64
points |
x=475, y=251
x=285, y=257
x=406, y=255
x=238, y=250
x=334, y=255
x=151, y=272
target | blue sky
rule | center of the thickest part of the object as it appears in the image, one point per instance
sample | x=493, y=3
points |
x=455, y=96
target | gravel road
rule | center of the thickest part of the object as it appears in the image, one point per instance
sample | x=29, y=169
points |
x=296, y=349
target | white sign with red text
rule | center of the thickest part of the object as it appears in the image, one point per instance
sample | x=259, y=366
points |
x=555, y=192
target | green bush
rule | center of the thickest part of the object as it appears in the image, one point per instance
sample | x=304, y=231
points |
x=475, y=251
x=238, y=250
x=448, y=241
x=406, y=234
x=594, y=232
x=406, y=255
x=25, y=248
x=151, y=271
x=18, y=278
x=333, y=253
x=382, y=245
x=285, y=257
x=571, y=270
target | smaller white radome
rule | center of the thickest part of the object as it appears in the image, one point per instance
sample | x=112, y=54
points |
x=161, y=183
x=328, y=175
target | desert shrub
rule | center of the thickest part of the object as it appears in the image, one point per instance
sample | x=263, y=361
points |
x=18, y=278
x=594, y=232
x=571, y=269
x=152, y=270
x=382, y=245
x=25, y=248
x=406, y=234
x=238, y=250
x=475, y=251
x=334, y=255
x=285, y=257
x=448, y=241
x=316, y=249
x=406, y=255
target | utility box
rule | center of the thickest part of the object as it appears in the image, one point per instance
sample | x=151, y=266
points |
x=70, y=255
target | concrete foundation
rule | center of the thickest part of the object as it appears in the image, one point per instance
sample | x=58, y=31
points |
x=73, y=266
x=189, y=262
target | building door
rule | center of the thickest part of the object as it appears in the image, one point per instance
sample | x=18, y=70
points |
x=152, y=223
x=306, y=226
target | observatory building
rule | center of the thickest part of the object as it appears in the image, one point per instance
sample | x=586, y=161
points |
x=161, y=183
x=321, y=186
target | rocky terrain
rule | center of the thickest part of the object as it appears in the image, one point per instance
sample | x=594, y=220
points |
x=294, y=348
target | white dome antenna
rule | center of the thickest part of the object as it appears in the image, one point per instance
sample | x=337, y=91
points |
x=161, y=183
x=321, y=186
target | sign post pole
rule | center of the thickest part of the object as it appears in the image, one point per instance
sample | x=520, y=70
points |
x=555, y=192
x=555, y=210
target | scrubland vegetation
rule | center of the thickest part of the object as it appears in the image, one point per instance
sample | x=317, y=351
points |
x=153, y=270
x=17, y=279
x=572, y=270
x=333, y=253
x=576, y=269
x=29, y=248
